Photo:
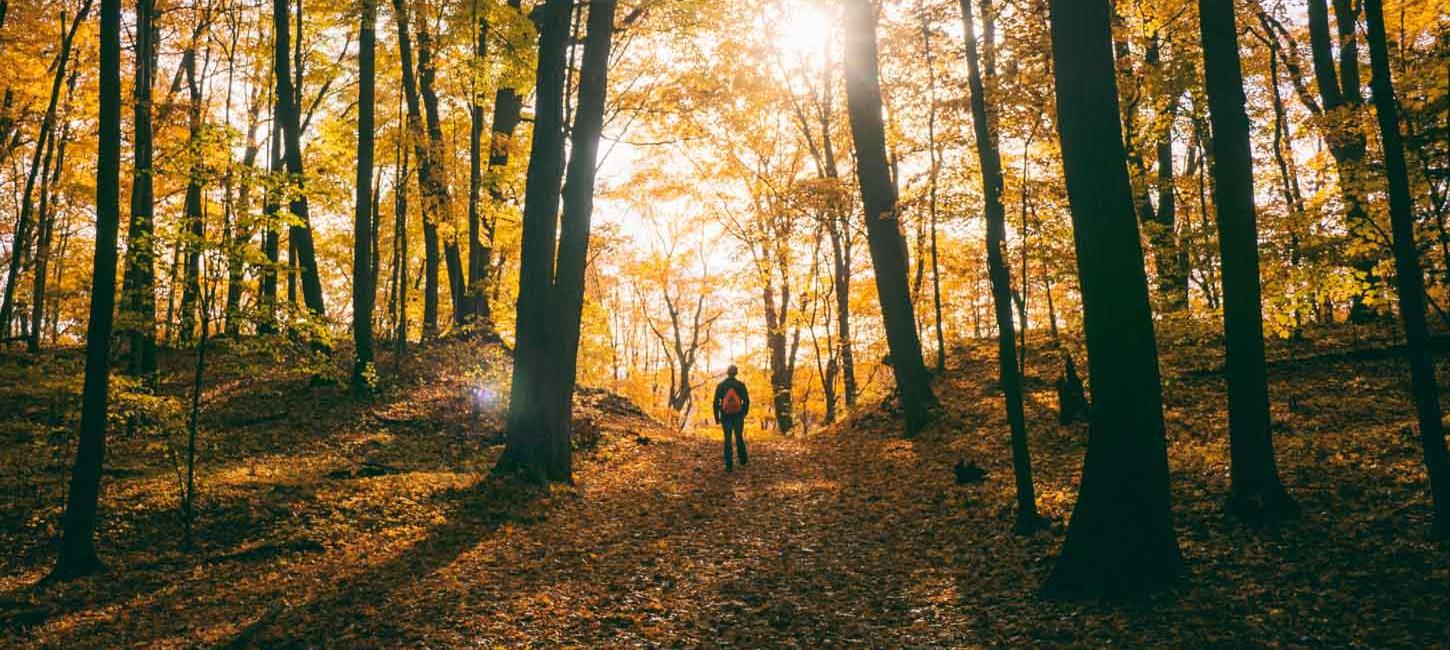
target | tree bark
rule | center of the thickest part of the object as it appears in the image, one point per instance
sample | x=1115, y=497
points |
x=1027, y=517
x=935, y=173
x=53, y=166
x=776, y=315
x=1256, y=493
x=475, y=302
x=49, y=208
x=883, y=226
x=1407, y=269
x=77, y=541
x=194, y=223
x=400, y=255
x=362, y=248
x=573, y=259
x=535, y=447
x=288, y=111
x=138, y=315
x=271, y=238
x=436, y=189
x=1120, y=539
x=427, y=183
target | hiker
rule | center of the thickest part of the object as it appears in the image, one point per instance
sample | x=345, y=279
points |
x=732, y=403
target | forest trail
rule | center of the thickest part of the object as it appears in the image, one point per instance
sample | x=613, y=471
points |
x=380, y=528
x=662, y=545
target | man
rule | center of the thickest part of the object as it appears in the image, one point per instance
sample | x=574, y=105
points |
x=732, y=404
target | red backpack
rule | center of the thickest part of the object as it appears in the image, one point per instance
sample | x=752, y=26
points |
x=730, y=404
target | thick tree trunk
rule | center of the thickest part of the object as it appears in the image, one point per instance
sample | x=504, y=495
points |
x=1256, y=492
x=1027, y=517
x=883, y=226
x=1407, y=268
x=362, y=248
x=78, y=526
x=539, y=444
x=453, y=261
x=535, y=446
x=288, y=110
x=1121, y=537
x=578, y=209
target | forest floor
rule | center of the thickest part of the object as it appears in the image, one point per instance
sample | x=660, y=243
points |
x=324, y=523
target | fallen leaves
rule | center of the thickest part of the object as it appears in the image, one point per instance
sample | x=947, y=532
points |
x=852, y=536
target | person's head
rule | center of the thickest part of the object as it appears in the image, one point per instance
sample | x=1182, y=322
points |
x=732, y=370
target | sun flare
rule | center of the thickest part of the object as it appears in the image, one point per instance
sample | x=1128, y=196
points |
x=801, y=31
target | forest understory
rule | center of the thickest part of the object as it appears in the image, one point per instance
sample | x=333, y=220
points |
x=323, y=522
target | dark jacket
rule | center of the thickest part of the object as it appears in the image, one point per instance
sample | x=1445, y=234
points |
x=739, y=386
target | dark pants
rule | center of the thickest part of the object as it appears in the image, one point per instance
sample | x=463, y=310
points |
x=734, y=426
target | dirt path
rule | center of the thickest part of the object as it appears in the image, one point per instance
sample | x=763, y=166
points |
x=655, y=544
x=854, y=539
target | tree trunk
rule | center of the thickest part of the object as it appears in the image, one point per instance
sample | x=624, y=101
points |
x=427, y=184
x=1120, y=539
x=883, y=227
x=435, y=192
x=841, y=288
x=194, y=223
x=935, y=173
x=362, y=248
x=838, y=226
x=271, y=238
x=578, y=206
x=775, y=341
x=51, y=178
x=1256, y=492
x=49, y=208
x=77, y=541
x=244, y=222
x=400, y=256
x=535, y=447
x=1027, y=517
x=1407, y=268
x=474, y=304
x=543, y=389
x=288, y=110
